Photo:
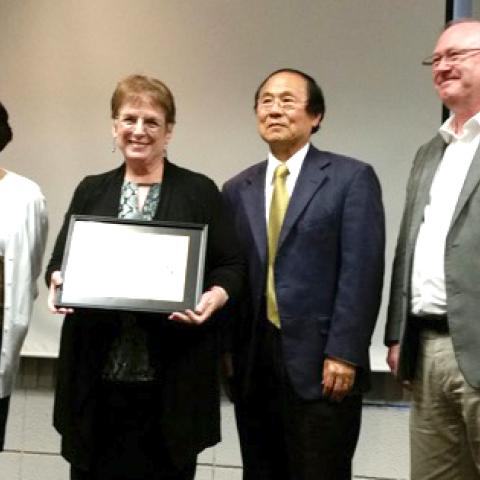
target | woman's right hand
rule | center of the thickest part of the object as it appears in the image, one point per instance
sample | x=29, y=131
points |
x=55, y=281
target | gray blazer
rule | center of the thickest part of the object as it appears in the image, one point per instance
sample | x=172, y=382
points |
x=462, y=266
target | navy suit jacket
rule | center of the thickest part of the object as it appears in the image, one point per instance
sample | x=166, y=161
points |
x=328, y=269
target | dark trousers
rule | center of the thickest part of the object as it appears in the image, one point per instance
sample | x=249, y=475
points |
x=128, y=443
x=5, y=401
x=4, y=405
x=284, y=437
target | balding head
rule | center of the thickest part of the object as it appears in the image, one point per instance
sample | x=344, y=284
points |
x=456, y=67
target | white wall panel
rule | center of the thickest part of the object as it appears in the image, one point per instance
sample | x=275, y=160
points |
x=60, y=60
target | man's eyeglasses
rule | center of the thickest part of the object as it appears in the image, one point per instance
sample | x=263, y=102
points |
x=451, y=57
x=284, y=103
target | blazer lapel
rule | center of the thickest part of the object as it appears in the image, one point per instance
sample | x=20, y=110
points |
x=312, y=176
x=471, y=182
x=253, y=195
x=422, y=195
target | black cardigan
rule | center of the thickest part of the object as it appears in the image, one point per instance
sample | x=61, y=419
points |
x=189, y=419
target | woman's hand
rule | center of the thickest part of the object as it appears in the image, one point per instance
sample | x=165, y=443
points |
x=210, y=301
x=55, y=281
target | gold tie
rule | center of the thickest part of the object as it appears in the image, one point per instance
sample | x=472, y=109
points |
x=278, y=207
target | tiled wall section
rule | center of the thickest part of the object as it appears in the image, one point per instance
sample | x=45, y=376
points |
x=32, y=445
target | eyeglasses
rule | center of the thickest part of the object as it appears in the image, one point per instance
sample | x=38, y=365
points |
x=150, y=124
x=450, y=57
x=285, y=103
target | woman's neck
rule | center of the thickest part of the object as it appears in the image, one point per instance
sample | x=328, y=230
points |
x=143, y=172
x=2, y=173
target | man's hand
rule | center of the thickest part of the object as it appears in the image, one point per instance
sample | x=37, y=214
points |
x=338, y=378
x=392, y=360
x=55, y=281
x=210, y=301
x=392, y=357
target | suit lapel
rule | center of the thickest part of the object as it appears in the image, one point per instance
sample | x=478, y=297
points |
x=311, y=177
x=471, y=182
x=421, y=197
x=253, y=196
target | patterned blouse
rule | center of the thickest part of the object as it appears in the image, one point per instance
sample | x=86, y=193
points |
x=129, y=357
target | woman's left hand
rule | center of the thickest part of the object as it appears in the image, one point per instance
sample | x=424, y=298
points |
x=210, y=301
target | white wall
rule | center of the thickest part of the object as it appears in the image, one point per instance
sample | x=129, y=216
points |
x=60, y=60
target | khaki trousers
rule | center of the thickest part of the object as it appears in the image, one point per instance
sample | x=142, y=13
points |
x=445, y=415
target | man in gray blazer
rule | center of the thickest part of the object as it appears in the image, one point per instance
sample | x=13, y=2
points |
x=433, y=327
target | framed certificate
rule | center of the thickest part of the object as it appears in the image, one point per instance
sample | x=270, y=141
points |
x=132, y=264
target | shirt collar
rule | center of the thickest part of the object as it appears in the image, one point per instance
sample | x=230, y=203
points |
x=470, y=128
x=294, y=163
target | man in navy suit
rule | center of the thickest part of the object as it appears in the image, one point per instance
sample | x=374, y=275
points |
x=300, y=367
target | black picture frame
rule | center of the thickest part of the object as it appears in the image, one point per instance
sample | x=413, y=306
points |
x=133, y=265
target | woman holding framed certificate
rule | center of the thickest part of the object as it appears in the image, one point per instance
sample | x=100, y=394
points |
x=137, y=393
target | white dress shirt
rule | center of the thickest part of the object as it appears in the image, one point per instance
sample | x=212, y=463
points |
x=428, y=273
x=23, y=229
x=294, y=165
